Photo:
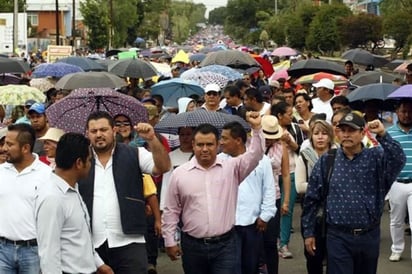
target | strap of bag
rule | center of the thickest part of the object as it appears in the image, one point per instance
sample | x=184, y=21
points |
x=330, y=161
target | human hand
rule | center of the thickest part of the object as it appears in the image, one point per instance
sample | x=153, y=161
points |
x=158, y=228
x=173, y=252
x=310, y=245
x=376, y=127
x=284, y=209
x=254, y=119
x=105, y=269
x=146, y=131
x=261, y=225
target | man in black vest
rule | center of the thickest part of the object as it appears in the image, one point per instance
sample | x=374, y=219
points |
x=113, y=192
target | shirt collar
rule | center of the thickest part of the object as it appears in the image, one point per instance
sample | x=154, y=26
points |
x=193, y=163
x=63, y=185
x=36, y=164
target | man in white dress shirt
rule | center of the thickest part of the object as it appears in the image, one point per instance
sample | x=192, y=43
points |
x=63, y=224
x=325, y=92
x=21, y=177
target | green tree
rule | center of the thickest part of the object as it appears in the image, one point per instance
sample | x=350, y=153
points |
x=8, y=5
x=398, y=26
x=217, y=16
x=361, y=30
x=96, y=18
x=389, y=7
x=297, y=27
x=323, y=33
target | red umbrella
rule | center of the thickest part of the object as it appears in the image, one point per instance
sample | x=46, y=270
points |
x=264, y=64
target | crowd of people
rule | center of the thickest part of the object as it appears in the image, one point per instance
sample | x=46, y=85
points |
x=221, y=200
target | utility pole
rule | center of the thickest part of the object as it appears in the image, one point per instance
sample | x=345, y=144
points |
x=111, y=23
x=276, y=7
x=73, y=23
x=57, y=24
x=15, y=26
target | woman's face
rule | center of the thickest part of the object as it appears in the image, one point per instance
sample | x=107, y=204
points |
x=191, y=106
x=124, y=128
x=50, y=148
x=261, y=74
x=286, y=118
x=301, y=105
x=320, y=138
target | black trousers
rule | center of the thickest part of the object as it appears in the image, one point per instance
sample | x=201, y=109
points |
x=128, y=259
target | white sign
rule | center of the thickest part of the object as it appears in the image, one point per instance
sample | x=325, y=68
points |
x=6, y=32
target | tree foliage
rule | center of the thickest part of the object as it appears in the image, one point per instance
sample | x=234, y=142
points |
x=217, y=16
x=8, y=5
x=96, y=18
x=398, y=26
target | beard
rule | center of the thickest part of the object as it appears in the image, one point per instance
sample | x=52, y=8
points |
x=406, y=125
x=14, y=160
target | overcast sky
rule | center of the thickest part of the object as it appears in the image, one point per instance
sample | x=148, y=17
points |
x=211, y=4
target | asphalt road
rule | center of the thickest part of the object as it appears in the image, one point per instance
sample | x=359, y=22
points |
x=297, y=264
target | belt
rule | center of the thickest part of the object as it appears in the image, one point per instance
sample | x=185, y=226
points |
x=353, y=231
x=404, y=181
x=213, y=240
x=32, y=242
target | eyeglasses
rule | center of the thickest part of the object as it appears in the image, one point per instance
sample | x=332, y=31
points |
x=247, y=79
x=212, y=93
x=122, y=123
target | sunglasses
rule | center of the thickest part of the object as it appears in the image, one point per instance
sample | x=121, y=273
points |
x=212, y=93
x=122, y=123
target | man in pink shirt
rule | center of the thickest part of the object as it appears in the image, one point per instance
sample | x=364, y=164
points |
x=203, y=194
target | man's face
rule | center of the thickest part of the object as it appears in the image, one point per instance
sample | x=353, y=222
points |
x=85, y=167
x=349, y=69
x=404, y=113
x=49, y=147
x=288, y=98
x=38, y=121
x=205, y=148
x=212, y=98
x=350, y=138
x=230, y=100
x=228, y=144
x=286, y=118
x=248, y=102
x=247, y=79
x=101, y=135
x=2, y=152
x=12, y=149
x=336, y=107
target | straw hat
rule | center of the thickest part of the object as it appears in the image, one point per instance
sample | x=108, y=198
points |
x=53, y=134
x=271, y=128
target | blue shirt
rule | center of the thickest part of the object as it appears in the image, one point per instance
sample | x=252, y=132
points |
x=405, y=139
x=357, y=186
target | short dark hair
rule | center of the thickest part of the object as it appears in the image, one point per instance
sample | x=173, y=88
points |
x=349, y=62
x=409, y=67
x=305, y=97
x=206, y=129
x=236, y=130
x=233, y=91
x=159, y=98
x=254, y=93
x=241, y=84
x=100, y=115
x=340, y=99
x=279, y=108
x=288, y=90
x=71, y=147
x=25, y=134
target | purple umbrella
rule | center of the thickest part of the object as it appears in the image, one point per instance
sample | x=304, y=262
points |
x=403, y=92
x=55, y=70
x=70, y=113
x=8, y=78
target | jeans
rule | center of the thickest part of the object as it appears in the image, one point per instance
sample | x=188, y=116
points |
x=19, y=259
x=208, y=258
x=128, y=259
x=248, y=244
x=352, y=254
x=286, y=220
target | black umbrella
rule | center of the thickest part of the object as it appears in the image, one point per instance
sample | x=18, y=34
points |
x=85, y=63
x=231, y=58
x=11, y=65
x=310, y=66
x=364, y=57
x=395, y=63
x=377, y=92
x=134, y=68
x=371, y=77
x=90, y=79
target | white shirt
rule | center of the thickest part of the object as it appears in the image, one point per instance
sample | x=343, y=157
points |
x=320, y=106
x=18, y=192
x=106, y=211
x=265, y=108
x=63, y=229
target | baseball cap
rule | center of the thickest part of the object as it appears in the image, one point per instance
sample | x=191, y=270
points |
x=3, y=132
x=212, y=87
x=38, y=108
x=265, y=91
x=353, y=120
x=325, y=83
x=271, y=128
x=274, y=83
x=29, y=102
x=52, y=134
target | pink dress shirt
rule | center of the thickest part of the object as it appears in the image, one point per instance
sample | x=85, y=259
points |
x=207, y=198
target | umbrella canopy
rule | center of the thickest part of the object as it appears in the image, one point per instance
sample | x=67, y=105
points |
x=57, y=70
x=182, y=57
x=364, y=57
x=284, y=51
x=10, y=65
x=91, y=79
x=379, y=91
x=370, y=77
x=204, y=78
x=43, y=84
x=85, y=63
x=18, y=95
x=228, y=72
x=310, y=66
x=282, y=73
x=171, y=123
x=171, y=90
x=71, y=112
x=232, y=58
x=163, y=68
x=403, y=92
x=133, y=68
x=316, y=77
x=8, y=78
x=266, y=66
x=197, y=57
x=402, y=67
x=395, y=63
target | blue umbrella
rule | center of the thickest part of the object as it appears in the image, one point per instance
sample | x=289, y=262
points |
x=171, y=90
x=197, y=57
x=228, y=72
x=85, y=63
x=139, y=40
x=55, y=70
x=171, y=123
